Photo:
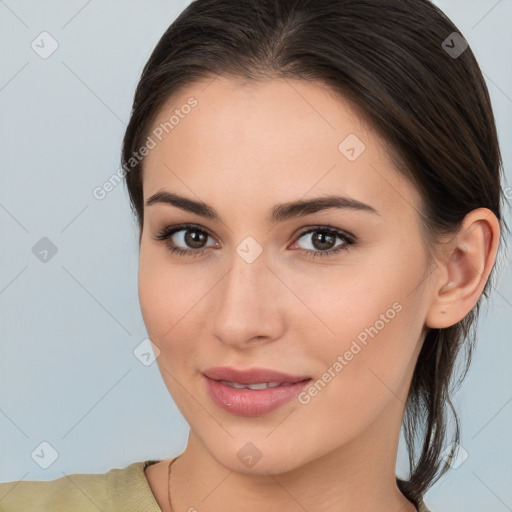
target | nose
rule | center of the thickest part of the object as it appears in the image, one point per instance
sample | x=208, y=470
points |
x=248, y=307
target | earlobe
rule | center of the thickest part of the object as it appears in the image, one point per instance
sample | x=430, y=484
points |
x=469, y=258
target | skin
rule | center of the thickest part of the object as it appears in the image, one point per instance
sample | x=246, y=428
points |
x=244, y=148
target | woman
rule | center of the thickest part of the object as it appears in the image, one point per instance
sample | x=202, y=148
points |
x=317, y=190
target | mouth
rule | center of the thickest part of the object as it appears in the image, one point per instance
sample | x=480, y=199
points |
x=252, y=392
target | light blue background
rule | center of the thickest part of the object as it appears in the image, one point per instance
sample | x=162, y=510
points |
x=68, y=375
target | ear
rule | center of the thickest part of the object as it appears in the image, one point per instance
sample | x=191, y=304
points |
x=464, y=268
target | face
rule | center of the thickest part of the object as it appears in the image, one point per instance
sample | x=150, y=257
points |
x=337, y=294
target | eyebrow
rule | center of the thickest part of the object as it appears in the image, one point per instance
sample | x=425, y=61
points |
x=279, y=213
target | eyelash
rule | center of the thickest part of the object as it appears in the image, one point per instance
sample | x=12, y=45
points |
x=349, y=240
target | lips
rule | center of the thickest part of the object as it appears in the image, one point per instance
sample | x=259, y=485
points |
x=252, y=392
x=252, y=376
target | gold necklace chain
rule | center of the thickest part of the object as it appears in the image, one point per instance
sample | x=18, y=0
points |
x=169, y=480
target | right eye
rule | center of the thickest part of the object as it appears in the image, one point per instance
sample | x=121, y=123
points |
x=186, y=235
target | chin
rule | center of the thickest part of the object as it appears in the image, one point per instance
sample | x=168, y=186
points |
x=259, y=458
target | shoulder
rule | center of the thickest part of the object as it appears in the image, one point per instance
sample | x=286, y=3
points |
x=80, y=492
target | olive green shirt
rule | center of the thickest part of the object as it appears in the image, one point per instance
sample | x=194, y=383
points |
x=118, y=490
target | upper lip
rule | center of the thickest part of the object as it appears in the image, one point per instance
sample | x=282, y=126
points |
x=251, y=375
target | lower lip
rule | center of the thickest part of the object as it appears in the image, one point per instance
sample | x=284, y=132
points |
x=252, y=402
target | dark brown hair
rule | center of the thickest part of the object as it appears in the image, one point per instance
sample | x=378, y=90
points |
x=431, y=108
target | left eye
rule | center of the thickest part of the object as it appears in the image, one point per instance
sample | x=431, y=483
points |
x=326, y=236
x=195, y=237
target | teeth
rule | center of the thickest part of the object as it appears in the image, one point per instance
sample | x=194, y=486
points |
x=262, y=385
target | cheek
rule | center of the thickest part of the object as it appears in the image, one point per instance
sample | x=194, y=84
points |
x=170, y=298
x=367, y=366
x=163, y=291
x=379, y=328
x=371, y=312
x=343, y=305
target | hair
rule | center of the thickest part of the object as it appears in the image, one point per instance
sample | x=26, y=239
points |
x=431, y=109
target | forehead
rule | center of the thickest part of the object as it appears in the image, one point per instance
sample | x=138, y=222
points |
x=269, y=141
